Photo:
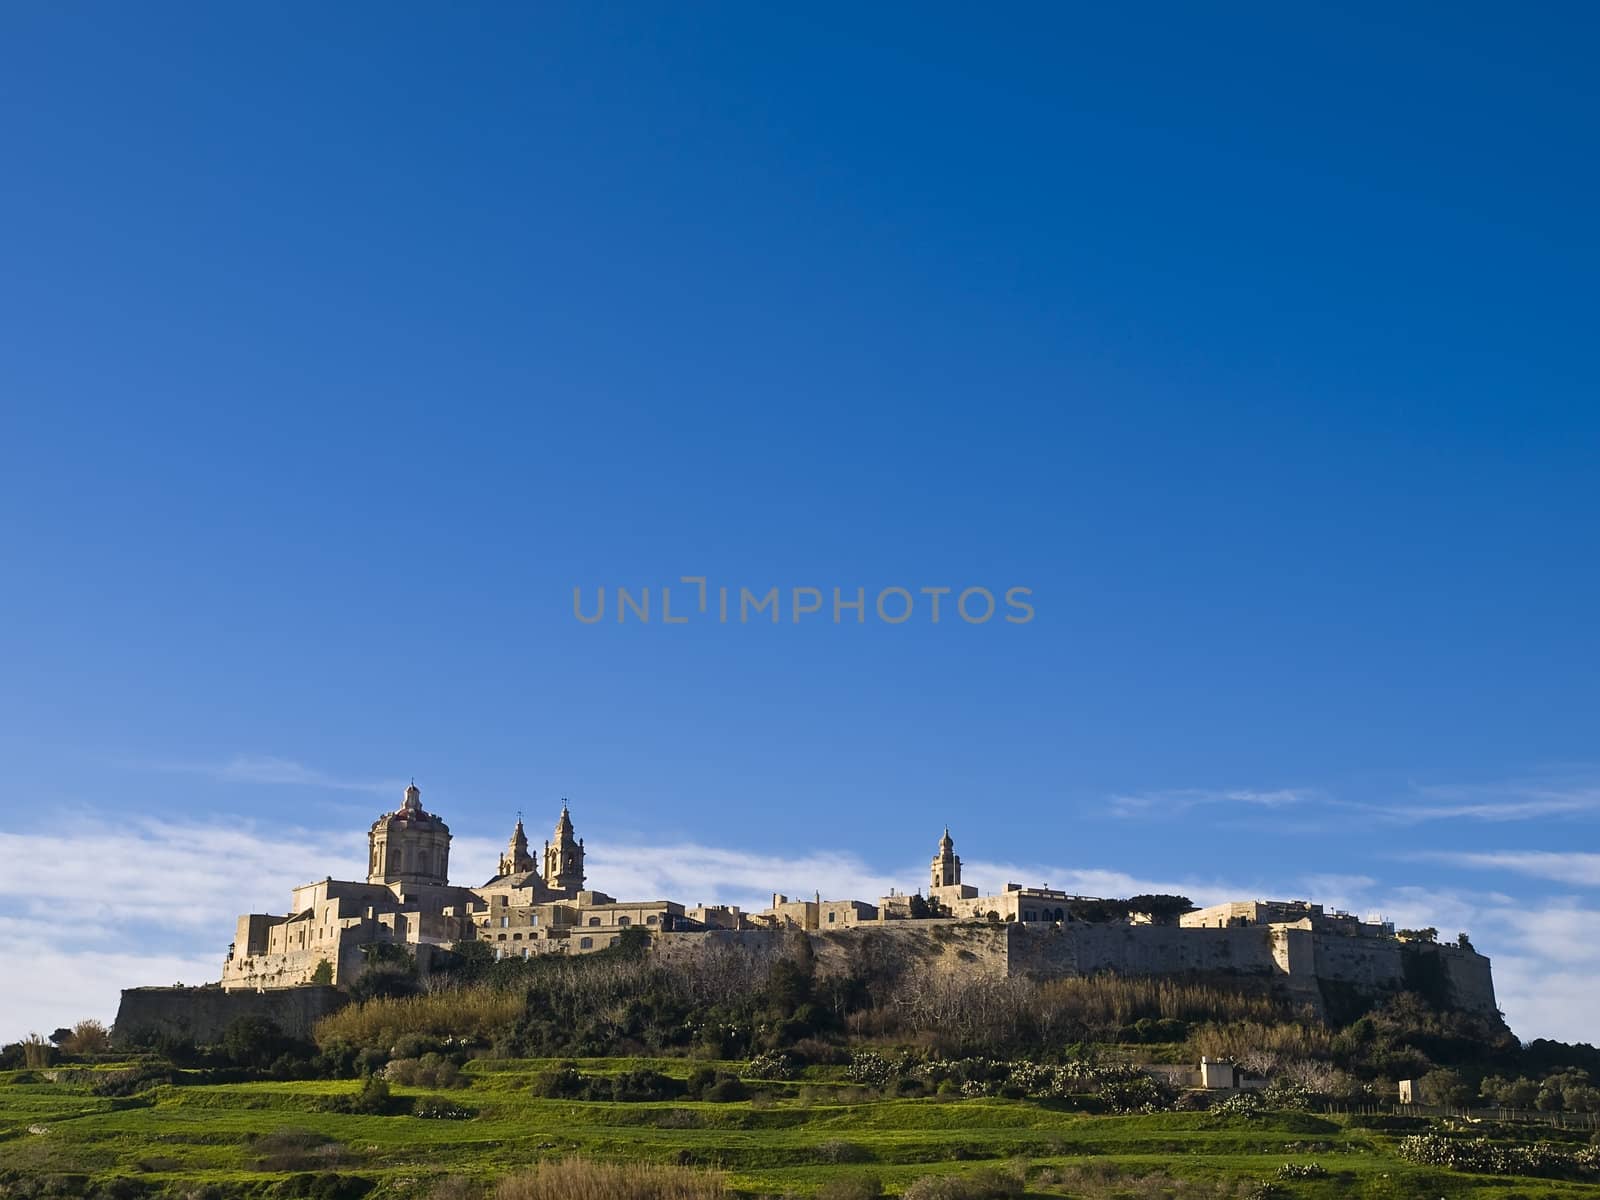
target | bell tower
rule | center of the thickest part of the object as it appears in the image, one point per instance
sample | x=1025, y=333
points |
x=563, y=858
x=946, y=865
x=516, y=859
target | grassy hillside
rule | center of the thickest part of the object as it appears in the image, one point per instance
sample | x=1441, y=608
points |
x=796, y=1137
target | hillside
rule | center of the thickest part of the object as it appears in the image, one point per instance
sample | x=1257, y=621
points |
x=793, y=1137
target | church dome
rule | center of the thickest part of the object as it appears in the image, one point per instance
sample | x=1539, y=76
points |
x=409, y=845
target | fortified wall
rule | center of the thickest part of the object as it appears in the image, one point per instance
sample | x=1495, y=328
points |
x=1308, y=967
x=204, y=1013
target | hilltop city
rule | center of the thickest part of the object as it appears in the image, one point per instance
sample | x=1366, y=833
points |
x=538, y=906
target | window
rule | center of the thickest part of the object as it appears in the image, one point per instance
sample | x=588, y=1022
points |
x=585, y=943
x=516, y=937
x=505, y=922
x=650, y=920
x=594, y=920
x=533, y=918
x=524, y=952
x=501, y=938
x=832, y=916
x=624, y=920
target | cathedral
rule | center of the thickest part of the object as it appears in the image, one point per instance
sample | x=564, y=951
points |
x=407, y=901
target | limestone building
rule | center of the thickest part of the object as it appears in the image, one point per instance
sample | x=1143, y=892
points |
x=1014, y=902
x=407, y=901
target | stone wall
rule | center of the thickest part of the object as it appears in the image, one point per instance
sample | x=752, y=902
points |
x=1298, y=964
x=203, y=1013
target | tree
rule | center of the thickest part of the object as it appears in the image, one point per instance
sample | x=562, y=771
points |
x=920, y=911
x=87, y=1037
x=323, y=974
x=1163, y=909
x=254, y=1042
x=1446, y=1087
x=1426, y=934
x=1521, y=1093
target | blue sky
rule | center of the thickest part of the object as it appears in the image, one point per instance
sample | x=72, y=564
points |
x=341, y=346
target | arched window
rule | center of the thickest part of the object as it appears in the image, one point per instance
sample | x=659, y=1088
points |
x=624, y=920
x=650, y=920
x=594, y=920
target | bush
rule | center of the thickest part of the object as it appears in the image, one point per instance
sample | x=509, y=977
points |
x=837, y=1150
x=431, y=1070
x=774, y=1064
x=131, y=1082
x=296, y=1150
x=987, y=1183
x=259, y=1044
x=436, y=1108
x=326, y=1186
x=450, y=1018
x=1482, y=1156
x=1241, y=1104
x=87, y=1037
x=860, y=1187
x=1309, y=1170
x=579, y=1179
x=37, y=1052
x=726, y=1090
x=562, y=1082
x=373, y=1100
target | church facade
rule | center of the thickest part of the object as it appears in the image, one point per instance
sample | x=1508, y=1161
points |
x=335, y=927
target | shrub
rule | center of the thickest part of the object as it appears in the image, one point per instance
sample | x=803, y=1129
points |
x=837, y=1150
x=431, y=1070
x=37, y=1052
x=580, y=1179
x=986, y=1183
x=87, y=1037
x=453, y=1017
x=860, y=1187
x=1240, y=1104
x=1491, y=1158
x=1309, y=1170
x=258, y=1043
x=296, y=1150
x=373, y=1100
x=436, y=1108
x=561, y=1082
x=727, y=1089
x=774, y=1064
x=326, y=1186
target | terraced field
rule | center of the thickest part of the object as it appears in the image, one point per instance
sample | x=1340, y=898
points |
x=261, y=1138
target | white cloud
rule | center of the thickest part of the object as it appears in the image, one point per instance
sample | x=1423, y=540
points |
x=1557, y=866
x=692, y=873
x=266, y=769
x=1508, y=800
x=1502, y=801
x=50, y=985
x=1168, y=803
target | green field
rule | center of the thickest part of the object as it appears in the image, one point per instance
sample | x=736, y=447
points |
x=256, y=1138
